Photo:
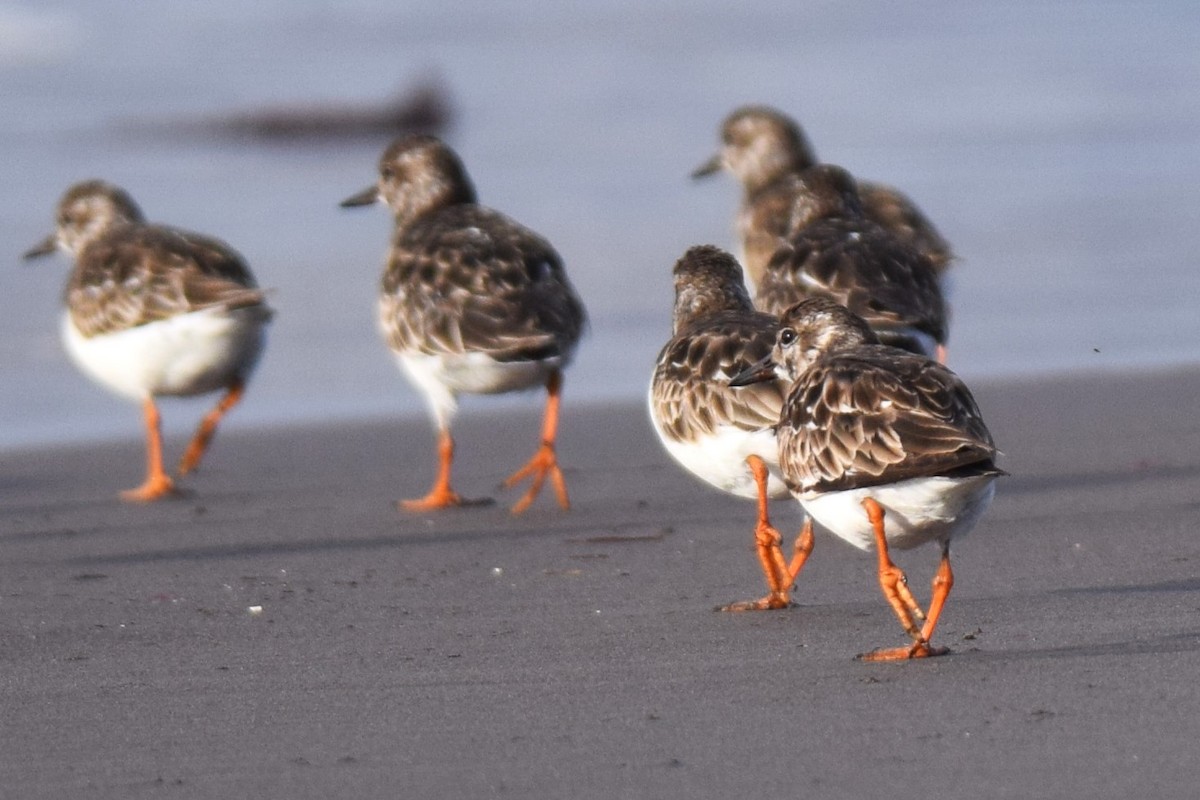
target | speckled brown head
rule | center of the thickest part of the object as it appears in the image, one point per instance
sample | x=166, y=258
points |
x=808, y=330
x=814, y=327
x=759, y=145
x=417, y=174
x=708, y=280
x=87, y=210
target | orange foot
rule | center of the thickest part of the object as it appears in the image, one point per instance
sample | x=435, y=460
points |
x=769, y=603
x=779, y=579
x=543, y=463
x=915, y=650
x=444, y=498
x=780, y=575
x=156, y=487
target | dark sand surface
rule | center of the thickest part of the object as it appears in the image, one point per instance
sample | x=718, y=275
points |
x=576, y=655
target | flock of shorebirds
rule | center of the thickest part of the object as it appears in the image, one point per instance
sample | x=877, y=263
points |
x=815, y=367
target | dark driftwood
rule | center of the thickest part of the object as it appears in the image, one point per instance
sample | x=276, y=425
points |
x=425, y=108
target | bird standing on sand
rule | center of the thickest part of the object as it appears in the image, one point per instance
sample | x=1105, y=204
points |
x=881, y=447
x=471, y=301
x=155, y=311
x=763, y=148
x=722, y=435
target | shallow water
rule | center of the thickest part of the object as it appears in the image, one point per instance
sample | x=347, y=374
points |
x=1056, y=145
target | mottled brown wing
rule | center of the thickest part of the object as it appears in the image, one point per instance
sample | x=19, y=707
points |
x=897, y=213
x=877, y=416
x=467, y=279
x=137, y=274
x=861, y=266
x=690, y=392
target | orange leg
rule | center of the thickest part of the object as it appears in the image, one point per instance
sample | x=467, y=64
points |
x=895, y=588
x=157, y=484
x=942, y=354
x=544, y=462
x=780, y=575
x=208, y=428
x=441, y=495
x=943, y=582
x=802, y=550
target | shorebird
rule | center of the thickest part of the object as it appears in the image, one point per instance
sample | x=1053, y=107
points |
x=722, y=435
x=471, y=301
x=881, y=447
x=762, y=148
x=832, y=249
x=154, y=311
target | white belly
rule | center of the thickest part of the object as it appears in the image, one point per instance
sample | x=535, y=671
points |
x=720, y=460
x=441, y=377
x=183, y=355
x=915, y=511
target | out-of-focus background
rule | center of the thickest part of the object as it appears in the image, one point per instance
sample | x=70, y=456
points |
x=1057, y=146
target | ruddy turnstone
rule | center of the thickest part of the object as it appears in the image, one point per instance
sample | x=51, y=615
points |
x=762, y=148
x=155, y=311
x=881, y=447
x=833, y=250
x=472, y=302
x=722, y=435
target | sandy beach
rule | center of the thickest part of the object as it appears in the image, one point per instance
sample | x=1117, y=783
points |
x=283, y=632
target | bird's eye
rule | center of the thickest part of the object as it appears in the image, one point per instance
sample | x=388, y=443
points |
x=388, y=173
x=787, y=337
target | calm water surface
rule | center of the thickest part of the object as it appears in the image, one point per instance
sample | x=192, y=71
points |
x=1057, y=145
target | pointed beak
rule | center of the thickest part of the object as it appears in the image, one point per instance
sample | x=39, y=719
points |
x=364, y=198
x=759, y=371
x=42, y=248
x=714, y=164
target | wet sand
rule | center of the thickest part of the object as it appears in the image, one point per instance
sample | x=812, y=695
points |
x=472, y=654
